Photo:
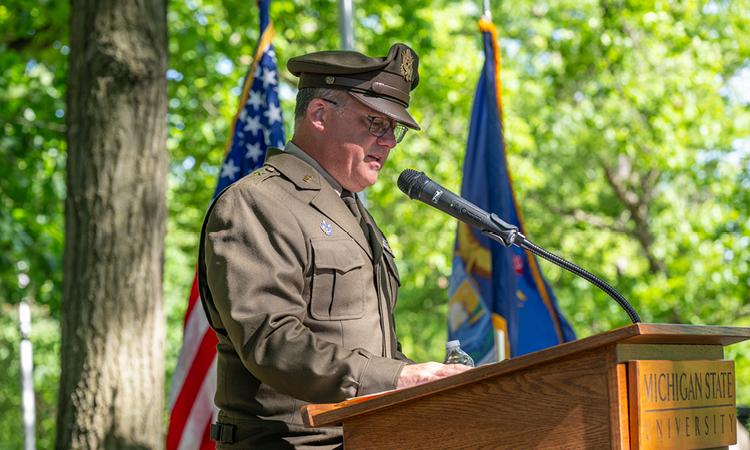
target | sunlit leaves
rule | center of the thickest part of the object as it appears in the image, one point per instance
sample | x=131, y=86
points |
x=32, y=189
x=634, y=86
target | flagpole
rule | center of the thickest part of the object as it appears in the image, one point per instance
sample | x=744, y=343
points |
x=27, y=381
x=346, y=30
x=500, y=332
x=346, y=24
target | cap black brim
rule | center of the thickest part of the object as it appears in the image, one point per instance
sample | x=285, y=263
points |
x=390, y=108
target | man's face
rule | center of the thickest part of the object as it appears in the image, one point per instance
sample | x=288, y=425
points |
x=354, y=156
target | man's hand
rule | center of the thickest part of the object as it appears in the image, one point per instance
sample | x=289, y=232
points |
x=414, y=374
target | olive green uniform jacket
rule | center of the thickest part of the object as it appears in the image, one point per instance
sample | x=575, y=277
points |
x=300, y=302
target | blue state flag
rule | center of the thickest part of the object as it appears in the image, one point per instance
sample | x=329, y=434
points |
x=500, y=304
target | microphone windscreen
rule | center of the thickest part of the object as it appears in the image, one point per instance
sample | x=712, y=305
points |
x=408, y=179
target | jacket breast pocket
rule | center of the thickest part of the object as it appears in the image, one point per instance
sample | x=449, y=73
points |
x=338, y=280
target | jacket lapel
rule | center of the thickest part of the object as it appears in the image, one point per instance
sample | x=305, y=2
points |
x=325, y=200
x=328, y=202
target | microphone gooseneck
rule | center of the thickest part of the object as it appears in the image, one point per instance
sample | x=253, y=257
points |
x=586, y=275
x=419, y=186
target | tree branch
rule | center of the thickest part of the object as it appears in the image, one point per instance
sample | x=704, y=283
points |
x=618, y=225
x=52, y=126
x=637, y=204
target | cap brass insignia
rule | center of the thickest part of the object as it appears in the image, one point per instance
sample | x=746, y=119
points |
x=307, y=178
x=406, y=64
x=330, y=79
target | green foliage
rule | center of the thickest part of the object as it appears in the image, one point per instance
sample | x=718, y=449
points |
x=32, y=148
x=627, y=137
x=639, y=91
x=32, y=187
x=45, y=338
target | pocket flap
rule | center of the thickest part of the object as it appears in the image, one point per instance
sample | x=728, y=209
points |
x=341, y=255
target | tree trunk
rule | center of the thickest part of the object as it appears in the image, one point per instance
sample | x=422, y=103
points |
x=112, y=380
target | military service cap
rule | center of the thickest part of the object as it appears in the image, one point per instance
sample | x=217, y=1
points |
x=381, y=83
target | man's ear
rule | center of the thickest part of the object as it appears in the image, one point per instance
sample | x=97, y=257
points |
x=316, y=113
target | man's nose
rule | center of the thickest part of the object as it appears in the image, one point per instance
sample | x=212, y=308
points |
x=388, y=139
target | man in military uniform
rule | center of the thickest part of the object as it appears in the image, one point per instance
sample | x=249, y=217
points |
x=296, y=279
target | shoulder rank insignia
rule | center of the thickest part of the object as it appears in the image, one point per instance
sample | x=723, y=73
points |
x=326, y=227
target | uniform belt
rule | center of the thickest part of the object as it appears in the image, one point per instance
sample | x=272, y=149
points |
x=223, y=433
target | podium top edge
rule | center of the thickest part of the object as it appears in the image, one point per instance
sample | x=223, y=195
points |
x=639, y=333
x=698, y=334
x=661, y=333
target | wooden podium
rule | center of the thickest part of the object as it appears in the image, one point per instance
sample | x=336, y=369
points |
x=643, y=386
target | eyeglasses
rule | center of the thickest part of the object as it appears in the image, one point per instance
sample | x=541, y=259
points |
x=379, y=126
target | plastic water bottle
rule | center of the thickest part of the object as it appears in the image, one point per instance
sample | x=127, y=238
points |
x=454, y=354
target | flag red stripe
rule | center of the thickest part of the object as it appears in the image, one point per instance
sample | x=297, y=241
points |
x=206, y=443
x=190, y=388
x=194, y=381
x=193, y=298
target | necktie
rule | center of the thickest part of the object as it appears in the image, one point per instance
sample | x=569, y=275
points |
x=351, y=201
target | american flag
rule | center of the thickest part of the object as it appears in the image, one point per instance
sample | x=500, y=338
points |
x=257, y=125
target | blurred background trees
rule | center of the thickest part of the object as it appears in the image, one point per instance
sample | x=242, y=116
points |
x=627, y=127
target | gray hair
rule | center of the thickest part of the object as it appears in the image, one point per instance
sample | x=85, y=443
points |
x=306, y=95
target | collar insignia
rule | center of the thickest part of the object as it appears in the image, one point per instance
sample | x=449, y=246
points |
x=326, y=227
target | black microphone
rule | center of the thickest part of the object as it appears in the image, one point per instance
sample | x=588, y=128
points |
x=419, y=186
